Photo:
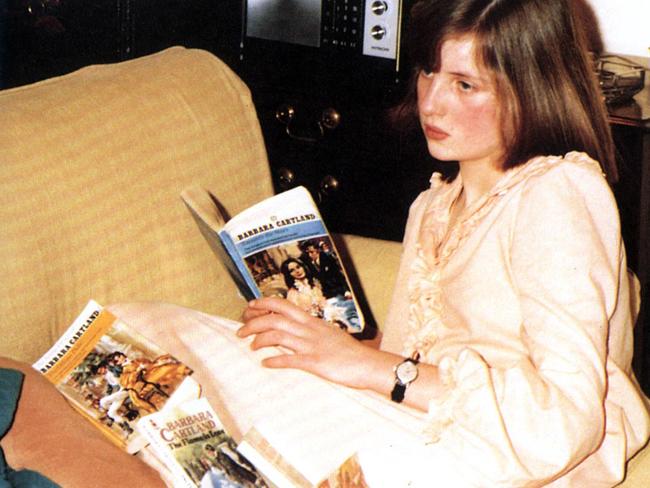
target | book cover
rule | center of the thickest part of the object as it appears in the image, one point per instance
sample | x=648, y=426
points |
x=191, y=441
x=280, y=247
x=114, y=376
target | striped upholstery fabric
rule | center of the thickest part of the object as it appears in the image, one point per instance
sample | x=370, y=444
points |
x=91, y=167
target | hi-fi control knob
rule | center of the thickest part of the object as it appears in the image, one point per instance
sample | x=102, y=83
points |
x=378, y=32
x=284, y=113
x=286, y=177
x=328, y=185
x=330, y=118
x=379, y=7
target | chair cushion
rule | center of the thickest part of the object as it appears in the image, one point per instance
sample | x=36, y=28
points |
x=92, y=167
x=638, y=470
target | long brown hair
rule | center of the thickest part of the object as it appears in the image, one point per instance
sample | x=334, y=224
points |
x=551, y=102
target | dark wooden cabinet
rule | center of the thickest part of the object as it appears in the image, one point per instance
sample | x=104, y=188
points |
x=325, y=119
x=44, y=38
x=362, y=172
x=213, y=25
x=631, y=128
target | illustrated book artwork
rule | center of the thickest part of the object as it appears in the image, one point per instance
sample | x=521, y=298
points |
x=280, y=247
x=191, y=441
x=114, y=376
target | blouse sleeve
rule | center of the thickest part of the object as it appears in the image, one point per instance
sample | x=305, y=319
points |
x=537, y=418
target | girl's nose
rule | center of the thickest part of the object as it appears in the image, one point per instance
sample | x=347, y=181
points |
x=430, y=96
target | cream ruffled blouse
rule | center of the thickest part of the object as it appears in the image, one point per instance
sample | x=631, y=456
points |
x=525, y=305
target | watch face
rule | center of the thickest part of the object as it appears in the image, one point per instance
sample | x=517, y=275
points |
x=406, y=372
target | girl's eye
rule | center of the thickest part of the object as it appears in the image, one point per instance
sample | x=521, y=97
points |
x=464, y=86
x=426, y=72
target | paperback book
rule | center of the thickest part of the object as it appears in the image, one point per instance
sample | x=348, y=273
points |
x=191, y=441
x=280, y=247
x=114, y=376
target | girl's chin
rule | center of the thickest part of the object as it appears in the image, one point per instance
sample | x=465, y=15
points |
x=440, y=154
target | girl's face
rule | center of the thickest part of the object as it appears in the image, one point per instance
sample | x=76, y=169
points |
x=459, y=109
x=297, y=271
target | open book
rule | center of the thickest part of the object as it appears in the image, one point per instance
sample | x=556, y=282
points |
x=298, y=430
x=280, y=247
x=114, y=376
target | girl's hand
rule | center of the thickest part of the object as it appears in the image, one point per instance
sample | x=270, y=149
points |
x=313, y=344
x=322, y=349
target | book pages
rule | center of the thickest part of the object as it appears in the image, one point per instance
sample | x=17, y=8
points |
x=297, y=427
x=311, y=423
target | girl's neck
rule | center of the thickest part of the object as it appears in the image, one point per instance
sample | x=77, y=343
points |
x=478, y=179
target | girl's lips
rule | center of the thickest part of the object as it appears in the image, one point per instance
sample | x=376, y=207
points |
x=433, y=132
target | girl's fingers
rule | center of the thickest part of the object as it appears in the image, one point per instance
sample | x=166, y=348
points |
x=293, y=361
x=271, y=321
x=278, y=338
x=280, y=306
x=251, y=313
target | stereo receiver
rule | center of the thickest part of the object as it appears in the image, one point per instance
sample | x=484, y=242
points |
x=371, y=27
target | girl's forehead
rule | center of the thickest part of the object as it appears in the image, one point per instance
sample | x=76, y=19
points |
x=459, y=53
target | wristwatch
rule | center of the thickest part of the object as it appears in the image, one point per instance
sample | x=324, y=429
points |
x=405, y=373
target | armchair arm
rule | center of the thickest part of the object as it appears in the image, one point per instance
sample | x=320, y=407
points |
x=372, y=265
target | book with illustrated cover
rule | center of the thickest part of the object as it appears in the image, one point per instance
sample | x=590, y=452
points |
x=192, y=443
x=299, y=430
x=280, y=247
x=114, y=376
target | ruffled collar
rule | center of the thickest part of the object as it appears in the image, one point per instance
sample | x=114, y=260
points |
x=437, y=242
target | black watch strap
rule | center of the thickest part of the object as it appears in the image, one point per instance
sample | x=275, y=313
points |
x=397, y=395
x=399, y=390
